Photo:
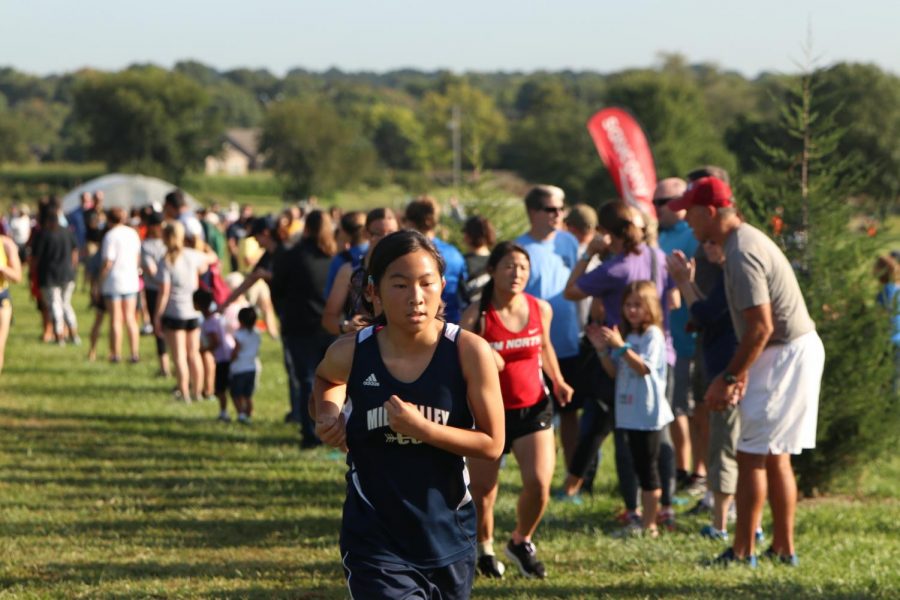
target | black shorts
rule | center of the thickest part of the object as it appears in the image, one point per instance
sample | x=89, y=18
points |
x=180, y=324
x=368, y=578
x=525, y=421
x=243, y=384
x=222, y=369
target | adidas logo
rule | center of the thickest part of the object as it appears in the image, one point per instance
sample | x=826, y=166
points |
x=371, y=381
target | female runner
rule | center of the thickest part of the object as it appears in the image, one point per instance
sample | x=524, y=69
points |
x=517, y=326
x=420, y=395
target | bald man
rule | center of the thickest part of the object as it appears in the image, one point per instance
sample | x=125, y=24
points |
x=690, y=418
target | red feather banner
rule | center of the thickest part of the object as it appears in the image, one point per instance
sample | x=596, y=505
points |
x=622, y=146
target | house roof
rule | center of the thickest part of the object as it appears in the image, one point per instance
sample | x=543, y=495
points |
x=245, y=139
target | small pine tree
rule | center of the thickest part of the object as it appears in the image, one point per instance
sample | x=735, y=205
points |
x=810, y=188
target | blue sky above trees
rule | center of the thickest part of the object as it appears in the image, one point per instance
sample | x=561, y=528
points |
x=53, y=36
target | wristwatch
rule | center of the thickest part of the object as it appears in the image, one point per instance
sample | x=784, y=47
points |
x=729, y=378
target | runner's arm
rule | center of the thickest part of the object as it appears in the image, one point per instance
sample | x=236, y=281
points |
x=562, y=390
x=330, y=391
x=13, y=269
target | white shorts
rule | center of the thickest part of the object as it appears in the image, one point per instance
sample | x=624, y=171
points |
x=781, y=403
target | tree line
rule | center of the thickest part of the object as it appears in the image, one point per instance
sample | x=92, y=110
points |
x=324, y=131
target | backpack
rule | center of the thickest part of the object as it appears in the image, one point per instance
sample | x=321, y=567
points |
x=212, y=282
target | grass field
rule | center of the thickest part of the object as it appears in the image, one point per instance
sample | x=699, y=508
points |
x=109, y=489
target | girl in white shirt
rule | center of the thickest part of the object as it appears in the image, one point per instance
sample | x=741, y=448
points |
x=638, y=363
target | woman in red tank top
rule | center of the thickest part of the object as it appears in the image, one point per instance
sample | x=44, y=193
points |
x=517, y=326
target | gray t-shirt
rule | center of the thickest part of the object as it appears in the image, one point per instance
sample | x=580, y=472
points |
x=183, y=276
x=757, y=273
x=152, y=252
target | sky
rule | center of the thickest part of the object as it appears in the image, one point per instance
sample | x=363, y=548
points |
x=53, y=36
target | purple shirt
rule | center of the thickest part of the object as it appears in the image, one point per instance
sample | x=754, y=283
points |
x=608, y=282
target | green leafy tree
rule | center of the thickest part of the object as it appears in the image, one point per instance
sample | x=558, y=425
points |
x=145, y=119
x=14, y=147
x=550, y=144
x=669, y=106
x=398, y=137
x=314, y=150
x=483, y=128
x=809, y=177
x=865, y=101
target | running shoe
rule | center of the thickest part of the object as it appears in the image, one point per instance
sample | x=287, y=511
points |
x=701, y=508
x=789, y=560
x=489, y=566
x=628, y=516
x=708, y=531
x=728, y=559
x=243, y=419
x=666, y=518
x=223, y=416
x=524, y=555
x=562, y=497
x=760, y=535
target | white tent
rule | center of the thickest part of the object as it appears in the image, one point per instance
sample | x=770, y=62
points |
x=127, y=191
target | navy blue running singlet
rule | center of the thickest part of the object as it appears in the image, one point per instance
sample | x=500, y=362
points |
x=407, y=502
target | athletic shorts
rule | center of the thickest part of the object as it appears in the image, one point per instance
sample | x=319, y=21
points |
x=222, y=370
x=243, y=384
x=781, y=402
x=4, y=297
x=721, y=468
x=180, y=324
x=569, y=369
x=371, y=579
x=525, y=421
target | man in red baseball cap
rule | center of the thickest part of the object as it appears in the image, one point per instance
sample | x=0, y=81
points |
x=775, y=374
x=706, y=191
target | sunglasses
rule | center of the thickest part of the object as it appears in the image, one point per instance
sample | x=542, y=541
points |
x=552, y=210
x=663, y=201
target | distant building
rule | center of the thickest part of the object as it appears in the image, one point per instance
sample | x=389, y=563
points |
x=239, y=154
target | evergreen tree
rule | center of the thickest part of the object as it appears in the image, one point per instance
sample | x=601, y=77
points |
x=810, y=184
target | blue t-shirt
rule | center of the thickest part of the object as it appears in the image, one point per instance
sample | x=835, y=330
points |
x=680, y=237
x=551, y=264
x=641, y=402
x=454, y=274
x=78, y=226
x=352, y=255
x=888, y=298
x=608, y=282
